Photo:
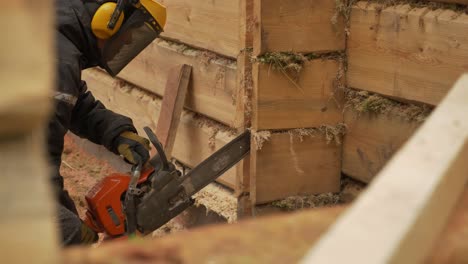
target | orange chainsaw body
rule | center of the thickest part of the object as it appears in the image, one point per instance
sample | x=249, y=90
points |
x=105, y=211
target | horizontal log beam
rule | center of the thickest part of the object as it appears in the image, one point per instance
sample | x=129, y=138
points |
x=410, y=53
x=299, y=26
x=210, y=25
x=213, y=86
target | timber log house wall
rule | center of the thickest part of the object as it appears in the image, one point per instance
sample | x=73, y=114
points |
x=326, y=87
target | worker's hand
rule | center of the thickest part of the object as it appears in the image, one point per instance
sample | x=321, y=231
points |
x=133, y=147
x=88, y=235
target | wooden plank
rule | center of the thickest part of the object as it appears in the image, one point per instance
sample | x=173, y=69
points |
x=24, y=104
x=172, y=106
x=197, y=137
x=286, y=166
x=241, y=243
x=213, y=84
x=247, y=238
x=26, y=218
x=371, y=141
x=410, y=53
x=211, y=25
x=244, y=102
x=26, y=75
x=406, y=207
x=300, y=26
x=311, y=101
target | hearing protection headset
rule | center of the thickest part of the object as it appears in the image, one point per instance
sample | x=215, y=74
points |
x=101, y=19
x=127, y=27
x=109, y=17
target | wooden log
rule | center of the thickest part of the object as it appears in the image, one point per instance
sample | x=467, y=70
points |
x=288, y=164
x=27, y=222
x=314, y=99
x=410, y=53
x=244, y=102
x=212, y=90
x=172, y=107
x=408, y=204
x=302, y=26
x=197, y=137
x=211, y=25
x=288, y=237
x=245, y=241
x=27, y=74
x=24, y=102
x=371, y=141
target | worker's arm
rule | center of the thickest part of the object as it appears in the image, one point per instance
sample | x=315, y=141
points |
x=79, y=111
x=90, y=119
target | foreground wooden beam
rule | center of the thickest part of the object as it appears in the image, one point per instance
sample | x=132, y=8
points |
x=26, y=76
x=288, y=238
x=407, y=205
x=244, y=242
x=409, y=53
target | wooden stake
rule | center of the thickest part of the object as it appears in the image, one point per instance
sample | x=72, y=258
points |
x=172, y=106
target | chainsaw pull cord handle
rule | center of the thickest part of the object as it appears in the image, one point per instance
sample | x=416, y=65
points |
x=159, y=148
x=130, y=202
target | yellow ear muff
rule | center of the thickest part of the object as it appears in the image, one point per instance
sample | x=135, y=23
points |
x=102, y=17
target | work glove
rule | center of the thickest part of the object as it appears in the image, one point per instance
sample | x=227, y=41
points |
x=133, y=147
x=87, y=235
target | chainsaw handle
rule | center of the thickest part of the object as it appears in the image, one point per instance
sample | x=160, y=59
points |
x=159, y=148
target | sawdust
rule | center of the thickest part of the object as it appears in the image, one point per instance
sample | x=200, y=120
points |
x=331, y=133
x=291, y=64
x=219, y=200
x=205, y=57
x=343, y=8
x=284, y=61
x=365, y=102
x=214, y=198
x=260, y=137
x=294, y=203
x=422, y=4
x=350, y=190
x=81, y=171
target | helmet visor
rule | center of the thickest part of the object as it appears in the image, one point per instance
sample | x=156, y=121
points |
x=135, y=34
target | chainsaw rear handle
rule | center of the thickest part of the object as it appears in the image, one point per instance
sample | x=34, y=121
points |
x=159, y=148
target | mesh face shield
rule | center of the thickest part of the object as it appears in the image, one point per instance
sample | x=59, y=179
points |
x=137, y=32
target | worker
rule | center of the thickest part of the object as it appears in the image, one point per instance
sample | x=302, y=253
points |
x=94, y=33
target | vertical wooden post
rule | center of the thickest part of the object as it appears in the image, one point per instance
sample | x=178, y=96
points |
x=297, y=77
x=26, y=76
x=244, y=102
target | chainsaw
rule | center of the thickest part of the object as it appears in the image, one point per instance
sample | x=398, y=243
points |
x=151, y=195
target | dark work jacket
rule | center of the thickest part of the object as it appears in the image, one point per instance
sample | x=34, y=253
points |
x=75, y=108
